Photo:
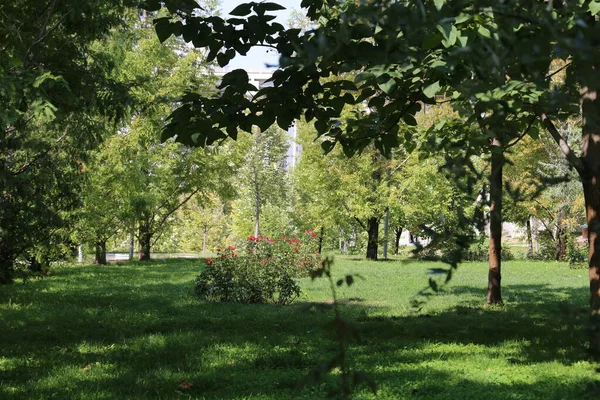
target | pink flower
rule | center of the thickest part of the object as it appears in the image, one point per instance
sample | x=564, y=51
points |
x=230, y=247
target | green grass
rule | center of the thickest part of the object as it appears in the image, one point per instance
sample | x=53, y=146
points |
x=136, y=331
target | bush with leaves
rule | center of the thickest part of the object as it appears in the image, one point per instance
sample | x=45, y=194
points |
x=577, y=256
x=267, y=271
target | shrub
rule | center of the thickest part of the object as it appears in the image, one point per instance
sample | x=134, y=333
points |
x=266, y=271
x=577, y=256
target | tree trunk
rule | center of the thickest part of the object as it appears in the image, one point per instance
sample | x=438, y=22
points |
x=256, y=214
x=321, y=235
x=204, y=237
x=529, y=239
x=145, y=237
x=131, y=247
x=561, y=240
x=6, y=267
x=494, y=295
x=398, y=233
x=100, y=252
x=590, y=176
x=372, y=243
x=386, y=223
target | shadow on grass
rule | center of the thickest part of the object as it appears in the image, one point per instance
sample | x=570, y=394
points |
x=118, y=337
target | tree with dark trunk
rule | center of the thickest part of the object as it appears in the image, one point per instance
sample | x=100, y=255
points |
x=145, y=240
x=100, y=253
x=397, y=235
x=494, y=296
x=373, y=238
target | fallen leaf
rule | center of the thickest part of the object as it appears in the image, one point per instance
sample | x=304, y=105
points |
x=185, y=385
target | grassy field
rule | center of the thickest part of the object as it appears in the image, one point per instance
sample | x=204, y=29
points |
x=136, y=331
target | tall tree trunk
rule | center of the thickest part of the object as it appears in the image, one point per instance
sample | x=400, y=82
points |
x=256, y=214
x=386, y=223
x=529, y=239
x=100, y=252
x=131, y=246
x=6, y=267
x=590, y=176
x=398, y=234
x=204, y=237
x=494, y=295
x=145, y=238
x=561, y=239
x=372, y=243
x=321, y=236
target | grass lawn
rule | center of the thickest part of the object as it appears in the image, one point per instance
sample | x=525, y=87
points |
x=136, y=331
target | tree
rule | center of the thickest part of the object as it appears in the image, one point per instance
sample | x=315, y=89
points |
x=55, y=86
x=261, y=177
x=149, y=180
x=419, y=49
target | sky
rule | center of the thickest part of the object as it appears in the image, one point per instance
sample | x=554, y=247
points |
x=257, y=58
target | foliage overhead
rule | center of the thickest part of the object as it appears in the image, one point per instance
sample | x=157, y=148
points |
x=401, y=55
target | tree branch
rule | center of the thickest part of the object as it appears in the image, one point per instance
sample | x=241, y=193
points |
x=562, y=144
x=355, y=218
x=28, y=164
x=508, y=146
x=558, y=70
x=168, y=214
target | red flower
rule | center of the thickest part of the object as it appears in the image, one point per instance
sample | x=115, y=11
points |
x=223, y=256
x=230, y=247
x=253, y=239
x=209, y=261
x=218, y=249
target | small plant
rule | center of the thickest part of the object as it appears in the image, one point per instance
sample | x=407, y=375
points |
x=266, y=271
x=344, y=332
x=577, y=256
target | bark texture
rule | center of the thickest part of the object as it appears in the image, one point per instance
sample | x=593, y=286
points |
x=100, y=257
x=397, y=233
x=494, y=295
x=529, y=239
x=590, y=176
x=372, y=244
x=145, y=238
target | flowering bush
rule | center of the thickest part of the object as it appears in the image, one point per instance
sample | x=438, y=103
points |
x=266, y=271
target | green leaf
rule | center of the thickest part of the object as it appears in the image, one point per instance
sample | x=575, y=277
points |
x=450, y=34
x=594, y=7
x=409, y=119
x=150, y=5
x=327, y=146
x=439, y=4
x=388, y=86
x=431, y=41
x=163, y=28
x=272, y=7
x=534, y=132
x=242, y=10
x=237, y=78
x=485, y=32
x=431, y=90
